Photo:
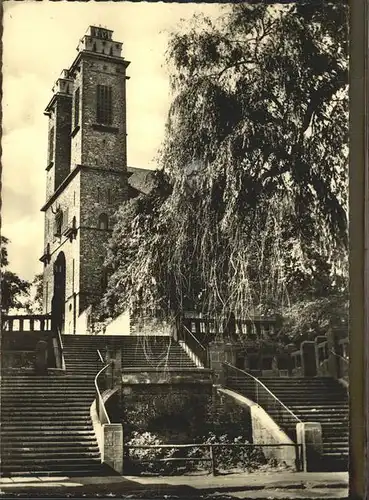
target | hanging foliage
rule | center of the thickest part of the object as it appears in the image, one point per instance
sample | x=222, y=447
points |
x=251, y=215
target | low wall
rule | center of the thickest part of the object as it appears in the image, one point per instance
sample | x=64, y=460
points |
x=18, y=348
x=110, y=441
x=184, y=376
x=228, y=417
x=175, y=412
x=97, y=427
x=265, y=430
x=150, y=326
x=18, y=359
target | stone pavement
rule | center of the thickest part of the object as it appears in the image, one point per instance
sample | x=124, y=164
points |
x=278, y=485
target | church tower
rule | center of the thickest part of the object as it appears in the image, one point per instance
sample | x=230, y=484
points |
x=86, y=175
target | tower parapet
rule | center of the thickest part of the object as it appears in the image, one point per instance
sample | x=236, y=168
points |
x=99, y=40
x=64, y=84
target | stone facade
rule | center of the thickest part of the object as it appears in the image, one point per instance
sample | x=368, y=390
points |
x=86, y=174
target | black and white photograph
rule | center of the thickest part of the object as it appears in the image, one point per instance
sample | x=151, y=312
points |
x=175, y=250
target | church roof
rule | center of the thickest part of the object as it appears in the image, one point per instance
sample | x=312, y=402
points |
x=140, y=181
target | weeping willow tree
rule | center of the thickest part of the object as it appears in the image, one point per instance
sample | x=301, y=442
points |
x=250, y=215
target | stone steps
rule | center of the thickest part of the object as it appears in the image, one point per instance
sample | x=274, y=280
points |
x=46, y=425
x=316, y=399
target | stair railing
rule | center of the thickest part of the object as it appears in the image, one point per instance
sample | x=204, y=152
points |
x=100, y=356
x=339, y=356
x=194, y=345
x=259, y=393
x=100, y=385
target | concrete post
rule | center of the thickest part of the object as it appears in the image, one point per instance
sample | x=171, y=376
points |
x=309, y=435
x=109, y=372
x=117, y=367
x=333, y=360
x=57, y=353
x=318, y=340
x=308, y=361
x=112, y=446
x=220, y=352
x=114, y=372
x=41, y=357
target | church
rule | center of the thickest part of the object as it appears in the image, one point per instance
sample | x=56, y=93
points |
x=291, y=404
x=87, y=177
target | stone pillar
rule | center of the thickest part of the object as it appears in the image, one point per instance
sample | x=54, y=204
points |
x=117, y=367
x=114, y=372
x=318, y=340
x=309, y=435
x=41, y=357
x=112, y=446
x=221, y=352
x=308, y=360
x=57, y=353
x=333, y=336
x=109, y=371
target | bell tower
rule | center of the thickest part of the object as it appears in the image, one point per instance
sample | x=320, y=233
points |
x=86, y=175
x=59, y=111
x=99, y=102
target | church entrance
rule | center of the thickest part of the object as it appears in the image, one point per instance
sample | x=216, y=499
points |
x=58, y=300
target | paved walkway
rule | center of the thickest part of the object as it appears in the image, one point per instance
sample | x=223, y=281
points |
x=248, y=485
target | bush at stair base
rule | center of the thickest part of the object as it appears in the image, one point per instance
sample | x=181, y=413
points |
x=237, y=459
x=144, y=460
x=229, y=459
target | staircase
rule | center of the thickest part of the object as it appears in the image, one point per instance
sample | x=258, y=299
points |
x=318, y=399
x=138, y=352
x=159, y=353
x=46, y=427
x=323, y=400
x=45, y=420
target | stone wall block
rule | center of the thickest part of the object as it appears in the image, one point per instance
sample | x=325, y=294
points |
x=309, y=435
x=112, y=447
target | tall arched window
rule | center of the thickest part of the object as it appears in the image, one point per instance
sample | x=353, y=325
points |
x=103, y=221
x=58, y=222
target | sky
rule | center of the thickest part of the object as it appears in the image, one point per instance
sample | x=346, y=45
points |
x=39, y=40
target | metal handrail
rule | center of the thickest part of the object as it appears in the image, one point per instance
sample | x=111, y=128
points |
x=195, y=338
x=339, y=356
x=100, y=406
x=265, y=388
x=195, y=346
x=100, y=356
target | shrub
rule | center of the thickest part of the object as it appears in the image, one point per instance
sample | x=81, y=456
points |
x=145, y=459
x=226, y=458
x=245, y=458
